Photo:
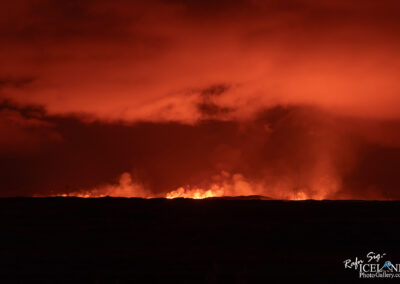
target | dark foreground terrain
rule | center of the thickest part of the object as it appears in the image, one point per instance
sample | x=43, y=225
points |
x=117, y=240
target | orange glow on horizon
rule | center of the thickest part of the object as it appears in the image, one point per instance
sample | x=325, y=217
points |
x=227, y=186
x=196, y=193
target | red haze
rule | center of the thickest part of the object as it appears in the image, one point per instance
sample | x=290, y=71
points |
x=294, y=96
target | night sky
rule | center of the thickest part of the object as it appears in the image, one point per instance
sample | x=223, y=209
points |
x=287, y=99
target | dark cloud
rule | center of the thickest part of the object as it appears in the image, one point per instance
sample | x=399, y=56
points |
x=208, y=107
x=24, y=129
x=128, y=60
x=214, y=90
x=15, y=82
x=292, y=147
x=299, y=95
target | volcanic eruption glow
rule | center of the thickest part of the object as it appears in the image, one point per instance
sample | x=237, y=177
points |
x=224, y=185
x=196, y=193
x=296, y=99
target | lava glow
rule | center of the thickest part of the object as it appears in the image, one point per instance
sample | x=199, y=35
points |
x=300, y=196
x=296, y=99
x=196, y=193
x=224, y=185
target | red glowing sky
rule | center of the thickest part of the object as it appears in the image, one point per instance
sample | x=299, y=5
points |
x=174, y=92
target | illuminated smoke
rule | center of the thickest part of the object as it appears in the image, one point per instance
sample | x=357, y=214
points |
x=223, y=185
x=125, y=188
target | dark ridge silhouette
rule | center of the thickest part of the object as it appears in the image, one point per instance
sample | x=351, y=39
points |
x=216, y=240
